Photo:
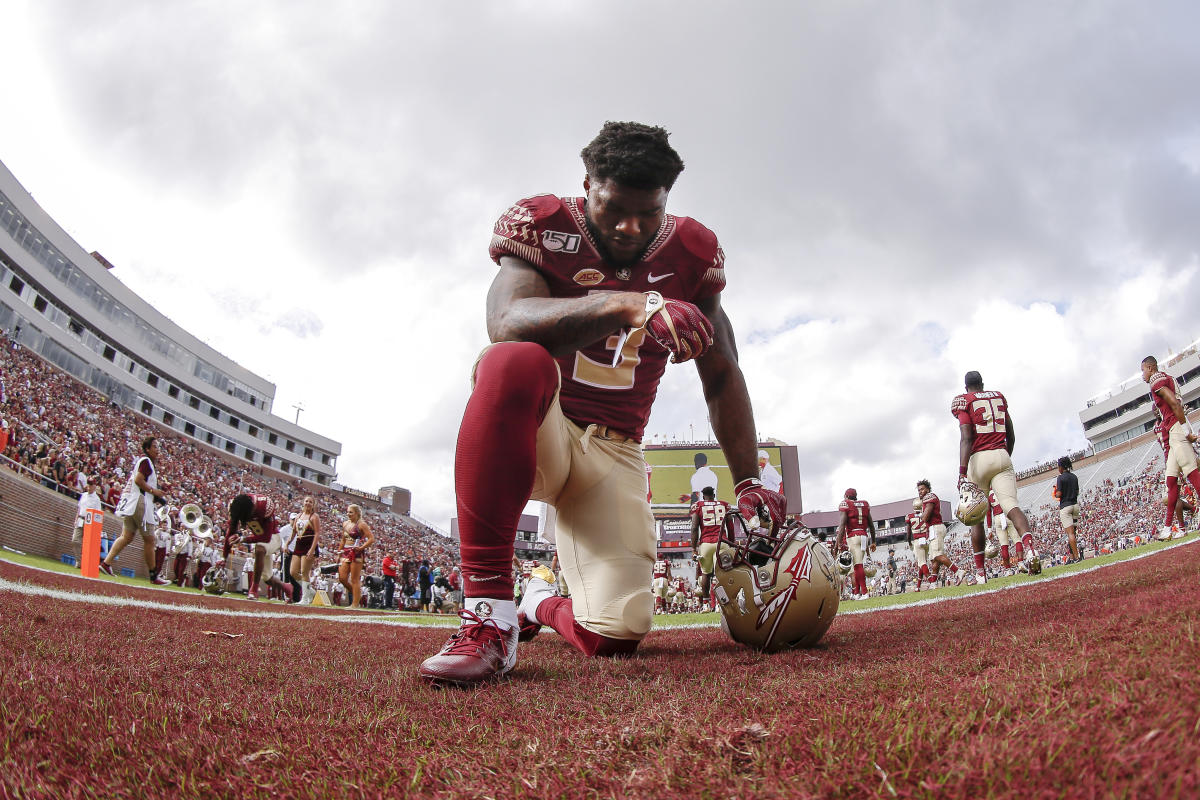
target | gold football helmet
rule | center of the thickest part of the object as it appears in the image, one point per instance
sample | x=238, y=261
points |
x=777, y=586
x=972, y=504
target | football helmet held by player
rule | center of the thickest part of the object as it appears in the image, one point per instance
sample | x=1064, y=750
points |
x=776, y=585
x=213, y=581
x=869, y=568
x=972, y=504
x=992, y=550
x=845, y=562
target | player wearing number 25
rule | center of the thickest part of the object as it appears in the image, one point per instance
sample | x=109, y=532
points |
x=986, y=440
x=594, y=296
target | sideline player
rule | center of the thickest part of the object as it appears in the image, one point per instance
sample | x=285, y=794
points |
x=136, y=509
x=918, y=539
x=852, y=533
x=1068, y=504
x=256, y=514
x=1176, y=436
x=985, y=445
x=997, y=523
x=593, y=296
x=659, y=583
x=708, y=516
x=931, y=520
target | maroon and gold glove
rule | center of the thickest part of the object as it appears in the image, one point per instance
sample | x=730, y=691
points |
x=757, y=502
x=678, y=326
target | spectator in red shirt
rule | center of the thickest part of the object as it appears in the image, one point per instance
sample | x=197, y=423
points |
x=388, y=565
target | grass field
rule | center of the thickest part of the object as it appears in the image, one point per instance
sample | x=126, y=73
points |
x=1084, y=686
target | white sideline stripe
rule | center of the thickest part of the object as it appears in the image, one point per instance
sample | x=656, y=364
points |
x=33, y=590
x=950, y=598
x=24, y=588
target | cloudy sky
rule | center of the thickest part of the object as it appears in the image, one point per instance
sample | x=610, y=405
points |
x=904, y=191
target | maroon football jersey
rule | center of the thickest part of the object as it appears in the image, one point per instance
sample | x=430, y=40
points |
x=919, y=531
x=988, y=412
x=930, y=501
x=1166, y=417
x=660, y=569
x=683, y=262
x=262, y=523
x=856, y=516
x=712, y=518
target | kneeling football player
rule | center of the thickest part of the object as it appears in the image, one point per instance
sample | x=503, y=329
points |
x=593, y=297
x=252, y=522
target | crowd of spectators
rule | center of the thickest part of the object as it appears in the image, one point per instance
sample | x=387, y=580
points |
x=1047, y=466
x=60, y=432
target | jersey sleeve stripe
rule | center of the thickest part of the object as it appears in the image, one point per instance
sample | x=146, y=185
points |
x=502, y=244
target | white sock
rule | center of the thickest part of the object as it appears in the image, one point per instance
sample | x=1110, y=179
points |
x=504, y=612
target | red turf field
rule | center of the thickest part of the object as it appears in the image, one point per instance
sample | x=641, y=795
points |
x=1084, y=687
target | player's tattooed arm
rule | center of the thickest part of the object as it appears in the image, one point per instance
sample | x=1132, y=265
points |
x=520, y=309
x=726, y=394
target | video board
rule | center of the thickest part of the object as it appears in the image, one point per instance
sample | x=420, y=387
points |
x=677, y=473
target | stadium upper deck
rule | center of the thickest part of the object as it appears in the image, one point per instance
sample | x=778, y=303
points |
x=1125, y=411
x=66, y=305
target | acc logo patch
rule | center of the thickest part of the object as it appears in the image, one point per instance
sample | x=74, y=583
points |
x=557, y=242
x=589, y=277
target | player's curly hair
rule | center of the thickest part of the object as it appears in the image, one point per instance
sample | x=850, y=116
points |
x=241, y=508
x=925, y=483
x=633, y=155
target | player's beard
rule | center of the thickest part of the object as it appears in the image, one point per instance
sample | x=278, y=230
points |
x=605, y=252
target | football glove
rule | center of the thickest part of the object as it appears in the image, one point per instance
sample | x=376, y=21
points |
x=679, y=326
x=758, y=503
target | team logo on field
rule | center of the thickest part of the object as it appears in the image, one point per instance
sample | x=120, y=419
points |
x=557, y=242
x=589, y=277
x=483, y=609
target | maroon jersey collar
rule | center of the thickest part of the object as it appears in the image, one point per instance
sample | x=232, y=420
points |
x=575, y=205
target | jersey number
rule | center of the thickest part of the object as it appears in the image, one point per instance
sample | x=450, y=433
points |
x=712, y=515
x=607, y=376
x=992, y=412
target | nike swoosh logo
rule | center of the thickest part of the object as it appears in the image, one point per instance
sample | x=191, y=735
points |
x=657, y=278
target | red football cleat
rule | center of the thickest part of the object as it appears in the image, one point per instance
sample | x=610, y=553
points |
x=159, y=580
x=251, y=595
x=105, y=568
x=287, y=593
x=480, y=651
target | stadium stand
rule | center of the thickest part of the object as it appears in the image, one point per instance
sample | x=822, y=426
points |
x=60, y=430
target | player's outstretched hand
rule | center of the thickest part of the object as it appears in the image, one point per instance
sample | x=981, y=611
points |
x=679, y=326
x=753, y=499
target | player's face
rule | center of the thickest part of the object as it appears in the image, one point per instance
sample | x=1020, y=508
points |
x=921, y=490
x=623, y=220
x=1147, y=371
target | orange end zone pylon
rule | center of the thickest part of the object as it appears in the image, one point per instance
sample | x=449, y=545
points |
x=93, y=524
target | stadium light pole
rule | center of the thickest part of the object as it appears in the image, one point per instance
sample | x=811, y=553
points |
x=299, y=407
